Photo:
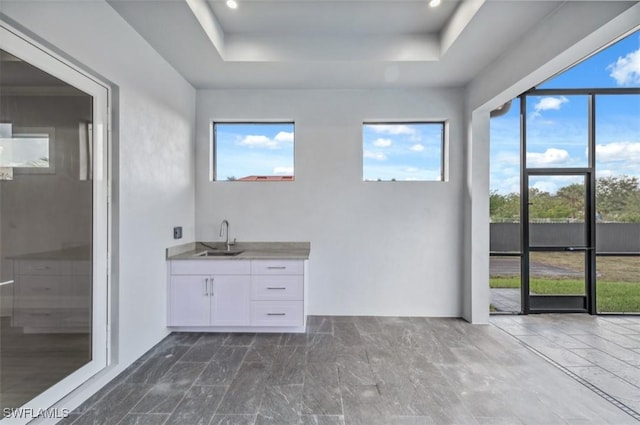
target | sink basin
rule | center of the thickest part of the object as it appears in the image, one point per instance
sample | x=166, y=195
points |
x=220, y=253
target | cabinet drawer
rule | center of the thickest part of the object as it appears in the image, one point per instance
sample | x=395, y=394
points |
x=40, y=284
x=210, y=267
x=277, y=313
x=283, y=288
x=43, y=267
x=277, y=267
x=49, y=318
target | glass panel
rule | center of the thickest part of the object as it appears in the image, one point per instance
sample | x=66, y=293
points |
x=618, y=159
x=612, y=67
x=45, y=232
x=505, y=173
x=557, y=131
x=618, y=203
x=618, y=284
x=557, y=273
x=402, y=151
x=253, y=151
x=505, y=284
x=557, y=211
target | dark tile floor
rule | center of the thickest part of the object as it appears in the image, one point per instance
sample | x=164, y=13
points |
x=347, y=371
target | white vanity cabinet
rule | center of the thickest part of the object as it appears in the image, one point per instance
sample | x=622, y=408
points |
x=209, y=293
x=52, y=296
x=236, y=295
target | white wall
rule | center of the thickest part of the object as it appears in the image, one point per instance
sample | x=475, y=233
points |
x=155, y=117
x=377, y=248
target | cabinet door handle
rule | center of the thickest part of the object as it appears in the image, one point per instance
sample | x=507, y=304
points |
x=276, y=288
x=206, y=287
x=276, y=314
x=211, y=280
x=276, y=267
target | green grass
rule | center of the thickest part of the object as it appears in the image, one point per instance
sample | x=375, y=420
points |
x=615, y=297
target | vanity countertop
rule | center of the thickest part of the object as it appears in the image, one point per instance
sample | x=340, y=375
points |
x=73, y=253
x=249, y=251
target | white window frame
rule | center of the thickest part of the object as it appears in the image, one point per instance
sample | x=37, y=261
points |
x=443, y=148
x=213, y=151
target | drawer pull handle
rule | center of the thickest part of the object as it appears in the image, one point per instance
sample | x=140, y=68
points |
x=41, y=268
x=40, y=314
x=280, y=288
x=276, y=314
x=276, y=267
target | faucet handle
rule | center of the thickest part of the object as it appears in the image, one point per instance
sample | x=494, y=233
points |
x=232, y=242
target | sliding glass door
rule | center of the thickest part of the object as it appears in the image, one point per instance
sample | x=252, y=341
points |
x=53, y=227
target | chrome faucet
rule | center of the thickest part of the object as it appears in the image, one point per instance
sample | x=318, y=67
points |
x=224, y=227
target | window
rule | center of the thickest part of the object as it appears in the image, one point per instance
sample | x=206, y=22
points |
x=411, y=151
x=252, y=152
x=29, y=150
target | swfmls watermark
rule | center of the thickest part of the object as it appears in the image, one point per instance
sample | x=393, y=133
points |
x=31, y=413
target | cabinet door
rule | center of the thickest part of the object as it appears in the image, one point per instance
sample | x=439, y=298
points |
x=189, y=301
x=231, y=301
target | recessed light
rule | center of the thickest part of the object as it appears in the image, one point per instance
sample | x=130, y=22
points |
x=233, y=4
x=432, y=3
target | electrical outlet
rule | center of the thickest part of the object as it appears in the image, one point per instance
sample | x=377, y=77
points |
x=177, y=232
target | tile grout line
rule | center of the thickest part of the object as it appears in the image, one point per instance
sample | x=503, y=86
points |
x=617, y=403
x=611, y=372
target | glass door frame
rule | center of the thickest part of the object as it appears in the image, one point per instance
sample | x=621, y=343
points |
x=559, y=303
x=16, y=43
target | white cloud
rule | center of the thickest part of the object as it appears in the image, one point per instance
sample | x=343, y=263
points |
x=261, y=141
x=286, y=171
x=618, y=151
x=551, y=184
x=394, y=129
x=604, y=173
x=546, y=186
x=382, y=143
x=417, y=147
x=550, y=157
x=550, y=103
x=626, y=70
x=378, y=156
x=411, y=170
x=284, y=136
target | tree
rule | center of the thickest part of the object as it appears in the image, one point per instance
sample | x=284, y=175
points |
x=573, y=195
x=504, y=207
x=618, y=198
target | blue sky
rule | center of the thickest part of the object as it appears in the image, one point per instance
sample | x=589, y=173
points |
x=557, y=125
x=264, y=149
x=408, y=151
